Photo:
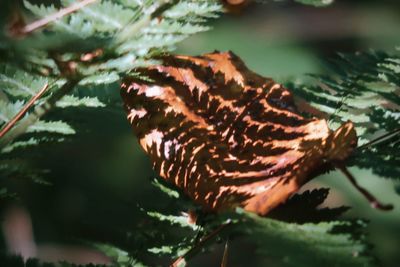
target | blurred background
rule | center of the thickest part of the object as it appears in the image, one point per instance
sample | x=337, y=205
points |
x=99, y=181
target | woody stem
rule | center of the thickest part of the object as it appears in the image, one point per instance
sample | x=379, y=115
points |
x=200, y=244
x=22, y=112
x=380, y=139
x=37, y=113
x=376, y=204
x=53, y=17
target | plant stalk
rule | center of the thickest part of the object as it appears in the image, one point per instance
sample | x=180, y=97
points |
x=22, y=112
x=53, y=17
x=200, y=244
x=38, y=112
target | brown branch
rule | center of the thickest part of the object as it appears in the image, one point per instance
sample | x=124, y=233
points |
x=22, y=112
x=376, y=204
x=224, y=262
x=53, y=17
x=380, y=139
x=200, y=244
x=37, y=113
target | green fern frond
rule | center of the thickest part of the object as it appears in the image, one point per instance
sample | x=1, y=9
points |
x=101, y=78
x=18, y=83
x=151, y=27
x=181, y=221
x=18, y=168
x=109, y=20
x=294, y=243
x=193, y=9
x=20, y=144
x=58, y=127
x=73, y=101
x=363, y=88
x=307, y=244
x=9, y=109
x=119, y=257
x=317, y=3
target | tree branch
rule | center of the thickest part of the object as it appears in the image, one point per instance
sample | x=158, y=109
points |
x=200, y=244
x=379, y=139
x=375, y=203
x=38, y=112
x=53, y=17
x=22, y=112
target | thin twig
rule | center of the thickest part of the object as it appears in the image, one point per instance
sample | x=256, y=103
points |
x=224, y=262
x=37, y=113
x=22, y=112
x=53, y=17
x=376, y=204
x=380, y=138
x=200, y=244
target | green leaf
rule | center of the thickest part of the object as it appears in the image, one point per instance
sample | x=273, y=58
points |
x=363, y=88
x=20, y=144
x=169, y=191
x=317, y=3
x=73, y=101
x=8, y=110
x=21, y=169
x=151, y=27
x=287, y=244
x=18, y=261
x=101, y=78
x=302, y=208
x=59, y=127
x=18, y=83
x=181, y=221
x=119, y=257
x=94, y=23
x=3, y=192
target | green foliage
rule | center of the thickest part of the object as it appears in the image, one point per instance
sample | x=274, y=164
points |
x=306, y=244
x=117, y=256
x=277, y=243
x=8, y=110
x=128, y=34
x=119, y=259
x=18, y=86
x=18, y=83
x=73, y=101
x=53, y=127
x=19, y=168
x=303, y=208
x=363, y=88
x=317, y=3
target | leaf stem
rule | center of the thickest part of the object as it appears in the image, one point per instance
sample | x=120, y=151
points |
x=375, y=203
x=224, y=262
x=379, y=139
x=53, y=17
x=22, y=112
x=38, y=112
x=200, y=244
